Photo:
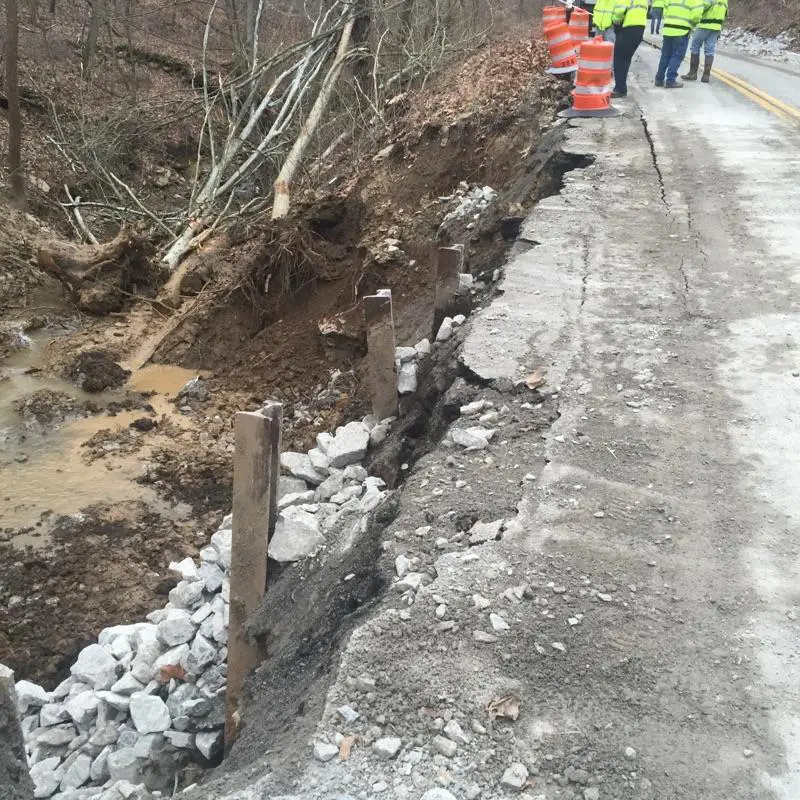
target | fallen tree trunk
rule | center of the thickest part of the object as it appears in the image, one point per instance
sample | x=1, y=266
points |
x=100, y=276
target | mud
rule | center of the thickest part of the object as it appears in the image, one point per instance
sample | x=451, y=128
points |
x=117, y=484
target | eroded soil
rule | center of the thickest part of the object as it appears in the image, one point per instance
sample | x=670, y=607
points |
x=256, y=327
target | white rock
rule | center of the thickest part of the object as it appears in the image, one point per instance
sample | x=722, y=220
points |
x=401, y=565
x=379, y=433
x=319, y=460
x=202, y=613
x=148, y=746
x=77, y=773
x=209, y=743
x=104, y=735
x=324, y=751
x=299, y=499
x=407, y=378
x=119, y=702
x=474, y=408
x=52, y=714
x=187, y=569
x=498, y=623
x=99, y=771
x=444, y=746
x=349, y=445
x=55, y=736
x=482, y=532
x=177, y=628
x=423, y=347
x=412, y=581
x=459, y=320
x=149, y=713
x=83, y=707
x=405, y=354
x=355, y=472
x=465, y=282
x=62, y=690
x=297, y=536
x=95, y=666
x=333, y=484
x=437, y=793
x=201, y=654
x=445, y=330
x=45, y=777
x=387, y=747
x=208, y=555
x=515, y=777
x=127, y=684
x=455, y=732
x=592, y=793
x=124, y=766
x=221, y=542
x=181, y=739
x=211, y=576
x=29, y=724
x=187, y=594
x=630, y=754
x=29, y=695
x=175, y=656
x=468, y=440
x=289, y=485
x=300, y=466
x=121, y=649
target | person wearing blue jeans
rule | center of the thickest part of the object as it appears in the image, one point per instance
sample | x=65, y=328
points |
x=681, y=17
x=702, y=39
x=673, y=51
x=656, y=15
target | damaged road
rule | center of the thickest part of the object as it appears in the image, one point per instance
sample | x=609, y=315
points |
x=621, y=621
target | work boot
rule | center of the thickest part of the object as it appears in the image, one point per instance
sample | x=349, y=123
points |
x=673, y=85
x=659, y=83
x=707, y=70
x=694, y=65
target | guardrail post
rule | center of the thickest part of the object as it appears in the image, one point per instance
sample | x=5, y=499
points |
x=255, y=487
x=381, y=353
x=449, y=265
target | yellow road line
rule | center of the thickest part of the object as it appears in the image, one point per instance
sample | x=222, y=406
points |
x=748, y=92
x=758, y=95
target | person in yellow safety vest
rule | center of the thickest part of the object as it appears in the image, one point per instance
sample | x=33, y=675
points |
x=681, y=17
x=603, y=22
x=706, y=35
x=630, y=20
x=656, y=15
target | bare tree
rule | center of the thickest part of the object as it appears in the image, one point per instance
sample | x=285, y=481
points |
x=90, y=45
x=14, y=116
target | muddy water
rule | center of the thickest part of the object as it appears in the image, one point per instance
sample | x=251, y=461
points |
x=43, y=474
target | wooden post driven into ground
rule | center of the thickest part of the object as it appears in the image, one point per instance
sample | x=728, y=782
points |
x=449, y=265
x=381, y=353
x=274, y=412
x=255, y=486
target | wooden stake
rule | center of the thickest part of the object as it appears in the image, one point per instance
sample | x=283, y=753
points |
x=255, y=479
x=381, y=353
x=274, y=412
x=449, y=265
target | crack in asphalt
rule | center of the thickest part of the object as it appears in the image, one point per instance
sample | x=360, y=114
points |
x=656, y=166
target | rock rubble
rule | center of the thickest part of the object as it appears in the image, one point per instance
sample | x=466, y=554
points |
x=149, y=697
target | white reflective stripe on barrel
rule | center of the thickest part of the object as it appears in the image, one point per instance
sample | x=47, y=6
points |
x=585, y=63
x=592, y=90
x=560, y=39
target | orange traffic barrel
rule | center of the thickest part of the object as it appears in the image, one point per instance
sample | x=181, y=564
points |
x=562, y=51
x=579, y=23
x=591, y=96
x=554, y=14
